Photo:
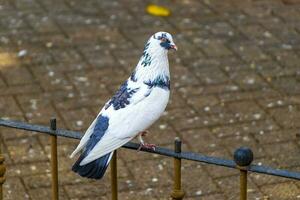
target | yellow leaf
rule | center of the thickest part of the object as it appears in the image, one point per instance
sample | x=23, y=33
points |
x=158, y=10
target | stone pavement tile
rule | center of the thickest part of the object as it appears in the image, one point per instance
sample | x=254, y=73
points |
x=176, y=101
x=179, y=113
x=27, y=5
x=279, y=102
x=288, y=85
x=51, y=80
x=78, y=119
x=37, y=55
x=9, y=107
x=92, y=82
x=258, y=33
x=284, y=191
x=248, y=80
x=161, y=134
x=25, y=150
x=86, y=190
x=206, y=103
x=276, y=136
x=196, y=181
x=285, y=57
x=234, y=142
x=249, y=52
x=215, y=48
x=211, y=75
x=230, y=186
x=101, y=197
x=247, y=110
x=17, y=75
x=75, y=102
x=37, y=108
x=41, y=22
x=148, y=193
x=262, y=93
x=207, y=197
x=286, y=154
x=65, y=56
x=11, y=134
x=99, y=58
x=37, y=181
x=185, y=78
x=44, y=193
x=212, y=121
x=201, y=140
x=28, y=169
x=254, y=127
x=11, y=186
x=2, y=83
x=154, y=175
x=286, y=117
x=20, y=89
x=13, y=22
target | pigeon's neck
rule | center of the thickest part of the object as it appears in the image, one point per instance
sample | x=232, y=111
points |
x=153, y=64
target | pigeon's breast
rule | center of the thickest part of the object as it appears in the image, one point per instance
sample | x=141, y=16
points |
x=135, y=118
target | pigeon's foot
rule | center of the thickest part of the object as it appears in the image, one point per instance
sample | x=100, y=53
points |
x=147, y=146
x=143, y=144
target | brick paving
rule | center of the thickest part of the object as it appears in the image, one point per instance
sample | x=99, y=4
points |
x=235, y=81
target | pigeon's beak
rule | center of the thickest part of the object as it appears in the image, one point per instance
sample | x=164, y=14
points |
x=173, y=46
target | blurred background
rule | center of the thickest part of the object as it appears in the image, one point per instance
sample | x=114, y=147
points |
x=235, y=81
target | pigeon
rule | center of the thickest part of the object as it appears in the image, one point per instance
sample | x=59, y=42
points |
x=138, y=103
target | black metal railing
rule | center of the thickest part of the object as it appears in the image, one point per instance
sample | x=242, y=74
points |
x=242, y=160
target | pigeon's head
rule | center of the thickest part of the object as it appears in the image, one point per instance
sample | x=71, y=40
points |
x=163, y=40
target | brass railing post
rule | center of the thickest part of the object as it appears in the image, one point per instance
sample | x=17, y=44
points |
x=54, y=170
x=114, y=176
x=177, y=193
x=2, y=172
x=243, y=157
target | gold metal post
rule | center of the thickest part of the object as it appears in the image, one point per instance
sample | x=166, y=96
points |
x=243, y=157
x=114, y=176
x=177, y=193
x=54, y=170
x=2, y=172
x=243, y=184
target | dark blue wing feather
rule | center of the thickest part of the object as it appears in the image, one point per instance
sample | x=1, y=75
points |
x=96, y=168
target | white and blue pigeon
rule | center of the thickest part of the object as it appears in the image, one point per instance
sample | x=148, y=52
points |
x=137, y=104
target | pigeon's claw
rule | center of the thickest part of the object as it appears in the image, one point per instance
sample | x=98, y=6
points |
x=147, y=146
x=143, y=144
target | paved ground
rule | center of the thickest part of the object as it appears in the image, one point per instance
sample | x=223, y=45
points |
x=235, y=81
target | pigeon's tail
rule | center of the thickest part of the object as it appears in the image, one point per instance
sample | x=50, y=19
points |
x=94, y=169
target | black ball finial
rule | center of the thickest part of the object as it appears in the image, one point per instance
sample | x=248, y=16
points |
x=243, y=156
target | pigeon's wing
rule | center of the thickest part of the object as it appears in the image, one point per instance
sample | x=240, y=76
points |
x=119, y=100
x=126, y=123
x=85, y=138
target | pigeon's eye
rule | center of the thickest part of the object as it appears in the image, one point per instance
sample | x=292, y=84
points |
x=163, y=39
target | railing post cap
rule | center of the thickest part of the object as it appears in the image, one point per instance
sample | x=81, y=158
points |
x=243, y=156
x=53, y=123
x=177, y=143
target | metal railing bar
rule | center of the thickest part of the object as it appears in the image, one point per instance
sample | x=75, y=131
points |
x=158, y=150
x=40, y=129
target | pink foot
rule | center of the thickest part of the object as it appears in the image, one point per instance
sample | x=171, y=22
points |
x=147, y=146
